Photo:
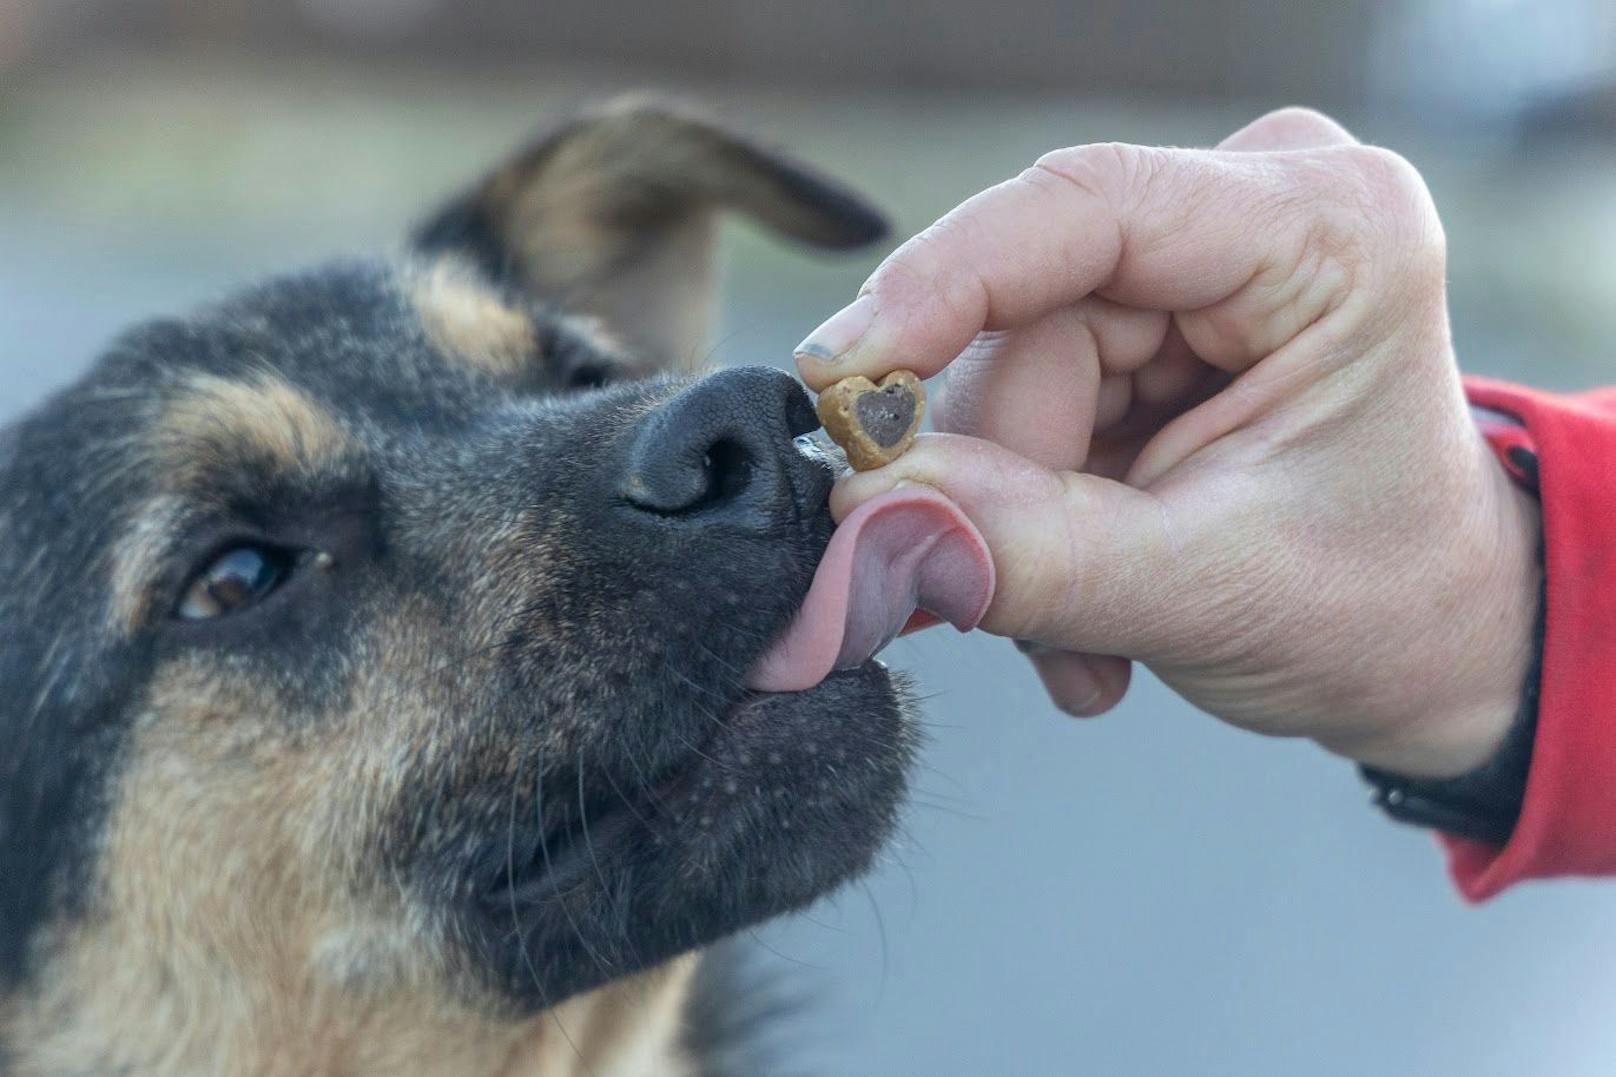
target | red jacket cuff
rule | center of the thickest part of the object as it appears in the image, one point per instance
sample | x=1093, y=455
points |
x=1568, y=819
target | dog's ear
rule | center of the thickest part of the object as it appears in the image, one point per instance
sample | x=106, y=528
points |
x=613, y=215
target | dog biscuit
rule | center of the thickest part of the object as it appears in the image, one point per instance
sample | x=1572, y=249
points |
x=874, y=423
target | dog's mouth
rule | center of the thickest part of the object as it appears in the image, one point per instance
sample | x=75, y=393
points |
x=792, y=796
x=904, y=555
x=786, y=794
x=908, y=555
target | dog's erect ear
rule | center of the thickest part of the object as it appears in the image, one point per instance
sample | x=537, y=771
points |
x=613, y=215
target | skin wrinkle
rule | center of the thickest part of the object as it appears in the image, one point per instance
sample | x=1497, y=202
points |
x=898, y=277
x=1075, y=170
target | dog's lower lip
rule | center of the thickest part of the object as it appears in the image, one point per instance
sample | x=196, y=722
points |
x=584, y=847
x=529, y=875
x=563, y=858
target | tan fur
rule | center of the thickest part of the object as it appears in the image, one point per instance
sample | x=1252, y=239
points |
x=234, y=930
x=263, y=416
x=133, y=562
x=468, y=322
x=629, y=1027
x=622, y=361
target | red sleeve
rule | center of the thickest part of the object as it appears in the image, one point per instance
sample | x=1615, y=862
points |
x=1568, y=820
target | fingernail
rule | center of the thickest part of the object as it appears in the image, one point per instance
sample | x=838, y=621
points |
x=840, y=332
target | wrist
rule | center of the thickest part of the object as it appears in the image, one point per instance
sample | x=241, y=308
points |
x=1483, y=802
x=1489, y=644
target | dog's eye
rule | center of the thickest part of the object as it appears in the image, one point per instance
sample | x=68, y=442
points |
x=236, y=579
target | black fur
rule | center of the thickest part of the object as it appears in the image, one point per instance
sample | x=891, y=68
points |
x=591, y=645
x=65, y=682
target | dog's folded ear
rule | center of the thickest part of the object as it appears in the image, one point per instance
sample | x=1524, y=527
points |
x=614, y=215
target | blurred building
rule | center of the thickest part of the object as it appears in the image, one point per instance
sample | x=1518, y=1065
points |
x=1227, y=47
x=1472, y=58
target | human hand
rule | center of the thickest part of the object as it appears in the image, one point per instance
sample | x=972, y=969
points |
x=1204, y=408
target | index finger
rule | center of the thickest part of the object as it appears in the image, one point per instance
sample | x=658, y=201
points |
x=1164, y=229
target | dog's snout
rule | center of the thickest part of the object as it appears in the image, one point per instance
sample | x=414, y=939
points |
x=723, y=443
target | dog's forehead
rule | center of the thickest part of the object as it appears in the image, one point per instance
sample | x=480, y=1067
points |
x=407, y=339
x=364, y=348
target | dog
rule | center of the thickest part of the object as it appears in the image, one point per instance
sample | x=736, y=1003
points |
x=362, y=713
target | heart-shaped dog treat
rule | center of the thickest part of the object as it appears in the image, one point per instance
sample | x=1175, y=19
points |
x=875, y=423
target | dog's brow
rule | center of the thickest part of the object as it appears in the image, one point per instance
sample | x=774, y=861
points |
x=470, y=323
x=215, y=421
x=213, y=428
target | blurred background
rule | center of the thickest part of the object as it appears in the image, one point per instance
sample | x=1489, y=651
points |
x=1148, y=893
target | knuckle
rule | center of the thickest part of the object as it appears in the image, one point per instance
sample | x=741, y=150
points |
x=1300, y=122
x=1399, y=208
x=1387, y=179
x=1114, y=173
x=1371, y=211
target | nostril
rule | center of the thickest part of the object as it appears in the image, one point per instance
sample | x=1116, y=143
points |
x=729, y=470
x=726, y=440
x=725, y=472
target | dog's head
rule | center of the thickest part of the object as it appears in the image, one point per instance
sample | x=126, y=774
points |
x=384, y=629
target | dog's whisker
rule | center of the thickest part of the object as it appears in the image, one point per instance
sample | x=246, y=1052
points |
x=893, y=855
x=699, y=688
x=817, y=922
x=734, y=670
x=752, y=932
x=936, y=772
x=644, y=782
x=920, y=801
x=942, y=800
x=620, y=921
x=627, y=801
x=516, y=923
x=544, y=851
x=881, y=934
x=696, y=750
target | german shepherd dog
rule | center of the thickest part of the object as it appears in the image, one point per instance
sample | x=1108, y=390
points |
x=355, y=720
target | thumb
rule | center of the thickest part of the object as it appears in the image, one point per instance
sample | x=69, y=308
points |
x=1083, y=563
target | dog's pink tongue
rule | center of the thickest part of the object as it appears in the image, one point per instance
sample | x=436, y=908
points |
x=907, y=550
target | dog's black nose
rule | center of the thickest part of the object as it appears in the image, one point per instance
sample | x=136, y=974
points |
x=722, y=444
